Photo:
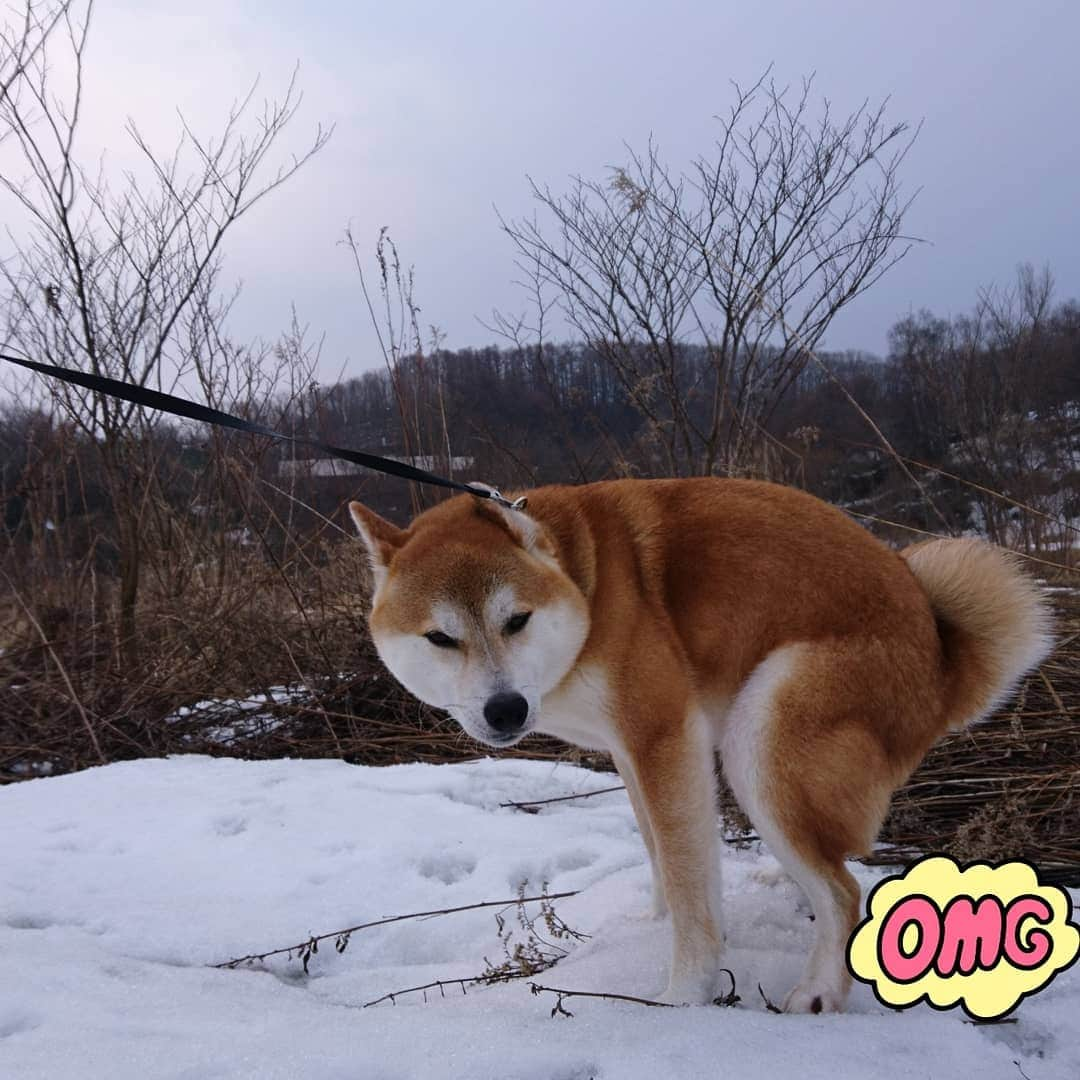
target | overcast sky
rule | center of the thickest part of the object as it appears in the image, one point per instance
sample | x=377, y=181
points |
x=442, y=109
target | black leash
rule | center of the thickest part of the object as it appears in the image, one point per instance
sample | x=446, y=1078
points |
x=155, y=399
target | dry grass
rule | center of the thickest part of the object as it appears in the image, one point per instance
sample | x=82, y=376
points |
x=1009, y=787
x=274, y=663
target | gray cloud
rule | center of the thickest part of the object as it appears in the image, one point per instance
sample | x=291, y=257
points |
x=442, y=110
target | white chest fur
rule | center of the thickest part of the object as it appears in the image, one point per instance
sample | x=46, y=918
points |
x=579, y=711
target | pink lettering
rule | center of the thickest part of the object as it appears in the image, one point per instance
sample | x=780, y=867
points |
x=972, y=936
x=1035, y=946
x=897, y=964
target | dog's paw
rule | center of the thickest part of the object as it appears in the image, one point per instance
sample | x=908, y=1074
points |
x=814, y=998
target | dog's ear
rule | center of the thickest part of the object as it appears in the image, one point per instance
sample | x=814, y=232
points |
x=528, y=532
x=380, y=537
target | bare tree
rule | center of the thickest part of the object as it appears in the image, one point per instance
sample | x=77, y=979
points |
x=752, y=252
x=23, y=38
x=991, y=383
x=986, y=397
x=123, y=278
x=417, y=377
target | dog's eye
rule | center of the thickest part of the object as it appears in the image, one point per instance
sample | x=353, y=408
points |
x=517, y=622
x=444, y=641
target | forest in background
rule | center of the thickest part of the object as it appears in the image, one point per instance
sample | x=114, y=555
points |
x=969, y=424
x=248, y=579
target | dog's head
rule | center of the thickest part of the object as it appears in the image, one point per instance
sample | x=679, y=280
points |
x=473, y=613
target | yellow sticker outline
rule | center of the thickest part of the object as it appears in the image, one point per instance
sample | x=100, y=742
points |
x=867, y=935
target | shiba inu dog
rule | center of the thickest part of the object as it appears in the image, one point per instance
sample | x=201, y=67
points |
x=661, y=620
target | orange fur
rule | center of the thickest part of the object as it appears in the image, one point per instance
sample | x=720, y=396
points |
x=743, y=615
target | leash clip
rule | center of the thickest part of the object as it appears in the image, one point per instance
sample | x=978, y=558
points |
x=484, y=491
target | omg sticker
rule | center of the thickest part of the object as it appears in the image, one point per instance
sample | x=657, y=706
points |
x=982, y=937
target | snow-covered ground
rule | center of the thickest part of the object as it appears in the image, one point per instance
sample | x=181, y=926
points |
x=119, y=886
x=232, y=720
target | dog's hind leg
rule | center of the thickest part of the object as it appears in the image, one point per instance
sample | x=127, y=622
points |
x=677, y=788
x=815, y=782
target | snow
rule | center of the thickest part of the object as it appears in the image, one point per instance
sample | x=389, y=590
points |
x=122, y=884
x=240, y=718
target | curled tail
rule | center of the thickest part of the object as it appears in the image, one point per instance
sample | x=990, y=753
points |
x=993, y=622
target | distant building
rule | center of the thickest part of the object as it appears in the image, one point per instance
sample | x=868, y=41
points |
x=330, y=467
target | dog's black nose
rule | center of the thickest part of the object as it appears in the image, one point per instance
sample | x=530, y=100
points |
x=506, y=711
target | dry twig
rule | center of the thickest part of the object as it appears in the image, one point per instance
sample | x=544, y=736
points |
x=306, y=949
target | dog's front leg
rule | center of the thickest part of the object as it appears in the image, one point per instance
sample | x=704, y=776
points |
x=637, y=801
x=674, y=769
